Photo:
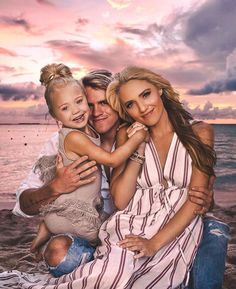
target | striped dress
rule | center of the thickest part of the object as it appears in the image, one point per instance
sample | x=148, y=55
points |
x=148, y=211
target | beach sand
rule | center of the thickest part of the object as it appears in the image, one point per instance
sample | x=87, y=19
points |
x=17, y=233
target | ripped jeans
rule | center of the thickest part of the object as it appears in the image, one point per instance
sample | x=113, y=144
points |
x=209, y=265
x=79, y=252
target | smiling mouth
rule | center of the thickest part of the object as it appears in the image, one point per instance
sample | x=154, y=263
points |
x=79, y=118
x=99, y=119
x=147, y=114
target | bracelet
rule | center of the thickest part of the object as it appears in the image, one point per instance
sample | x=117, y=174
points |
x=137, y=158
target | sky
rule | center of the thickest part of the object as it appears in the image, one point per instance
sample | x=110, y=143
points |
x=191, y=43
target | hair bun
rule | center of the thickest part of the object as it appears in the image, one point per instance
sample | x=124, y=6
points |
x=52, y=71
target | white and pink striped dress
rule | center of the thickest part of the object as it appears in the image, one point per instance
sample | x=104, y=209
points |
x=150, y=209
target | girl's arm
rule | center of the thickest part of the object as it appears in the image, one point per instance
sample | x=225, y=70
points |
x=180, y=220
x=80, y=144
x=124, y=177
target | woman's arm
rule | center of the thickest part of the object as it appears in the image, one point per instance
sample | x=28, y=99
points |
x=180, y=220
x=124, y=177
x=80, y=144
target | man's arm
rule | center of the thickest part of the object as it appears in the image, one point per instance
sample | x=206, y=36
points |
x=33, y=193
x=67, y=180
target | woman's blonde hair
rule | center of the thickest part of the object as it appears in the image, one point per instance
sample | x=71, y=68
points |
x=55, y=76
x=203, y=156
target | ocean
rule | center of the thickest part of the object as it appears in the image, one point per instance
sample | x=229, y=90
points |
x=21, y=144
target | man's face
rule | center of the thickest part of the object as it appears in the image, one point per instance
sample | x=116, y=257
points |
x=102, y=117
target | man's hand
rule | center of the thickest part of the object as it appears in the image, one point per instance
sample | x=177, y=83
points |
x=69, y=178
x=203, y=196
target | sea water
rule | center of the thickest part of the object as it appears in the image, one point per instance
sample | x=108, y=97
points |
x=21, y=144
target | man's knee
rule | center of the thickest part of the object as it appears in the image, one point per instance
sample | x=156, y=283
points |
x=56, y=250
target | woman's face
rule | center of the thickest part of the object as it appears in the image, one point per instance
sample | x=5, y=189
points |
x=142, y=101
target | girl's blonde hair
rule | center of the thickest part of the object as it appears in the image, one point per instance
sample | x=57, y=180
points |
x=203, y=156
x=55, y=76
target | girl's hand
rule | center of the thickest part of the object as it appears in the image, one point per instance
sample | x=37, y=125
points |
x=138, y=130
x=142, y=246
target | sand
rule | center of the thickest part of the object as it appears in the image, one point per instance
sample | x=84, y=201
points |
x=16, y=234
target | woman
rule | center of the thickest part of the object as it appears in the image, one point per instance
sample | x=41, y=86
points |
x=151, y=242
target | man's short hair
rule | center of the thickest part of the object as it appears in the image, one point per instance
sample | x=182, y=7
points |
x=97, y=79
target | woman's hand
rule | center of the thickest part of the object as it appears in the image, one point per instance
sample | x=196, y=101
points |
x=141, y=246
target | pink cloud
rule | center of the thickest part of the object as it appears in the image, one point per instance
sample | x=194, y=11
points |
x=45, y=2
x=7, y=69
x=7, y=52
x=211, y=112
x=7, y=21
x=82, y=54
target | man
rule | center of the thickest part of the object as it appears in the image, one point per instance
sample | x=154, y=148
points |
x=32, y=194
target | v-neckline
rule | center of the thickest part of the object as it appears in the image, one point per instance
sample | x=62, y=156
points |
x=162, y=169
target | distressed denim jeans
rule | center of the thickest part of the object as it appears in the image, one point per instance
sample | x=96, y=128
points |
x=209, y=265
x=79, y=252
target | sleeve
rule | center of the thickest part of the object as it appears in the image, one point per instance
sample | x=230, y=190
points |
x=33, y=179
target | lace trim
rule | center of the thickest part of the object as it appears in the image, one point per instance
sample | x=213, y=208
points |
x=45, y=167
x=77, y=212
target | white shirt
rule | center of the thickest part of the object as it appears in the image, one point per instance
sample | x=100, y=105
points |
x=33, y=181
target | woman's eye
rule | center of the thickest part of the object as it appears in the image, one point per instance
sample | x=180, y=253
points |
x=79, y=100
x=129, y=105
x=146, y=93
x=64, y=108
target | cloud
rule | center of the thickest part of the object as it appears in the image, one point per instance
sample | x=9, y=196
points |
x=45, y=2
x=82, y=21
x=83, y=55
x=89, y=58
x=7, y=21
x=7, y=52
x=155, y=35
x=210, y=30
x=211, y=112
x=119, y=4
x=153, y=32
x=227, y=83
x=215, y=87
x=7, y=69
x=20, y=91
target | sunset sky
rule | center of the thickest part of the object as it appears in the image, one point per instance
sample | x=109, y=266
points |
x=192, y=43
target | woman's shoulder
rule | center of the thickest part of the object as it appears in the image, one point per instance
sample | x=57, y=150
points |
x=204, y=131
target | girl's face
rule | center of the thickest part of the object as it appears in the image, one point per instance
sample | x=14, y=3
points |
x=142, y=101
x=70, y=106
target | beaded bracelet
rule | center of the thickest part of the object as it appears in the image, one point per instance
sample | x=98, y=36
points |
x=137, y=158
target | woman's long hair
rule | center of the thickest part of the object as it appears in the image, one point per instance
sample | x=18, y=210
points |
x=203, y=156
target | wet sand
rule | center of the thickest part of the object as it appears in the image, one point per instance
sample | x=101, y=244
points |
x=17, y=233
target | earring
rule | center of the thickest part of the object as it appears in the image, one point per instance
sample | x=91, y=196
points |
x=160, y=91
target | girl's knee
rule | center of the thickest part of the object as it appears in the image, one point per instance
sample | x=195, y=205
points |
x=56, y=250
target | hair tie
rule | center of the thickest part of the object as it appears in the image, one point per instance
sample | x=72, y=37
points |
x=51, y=77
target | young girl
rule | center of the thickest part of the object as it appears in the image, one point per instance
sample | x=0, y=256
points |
x=80, y=212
